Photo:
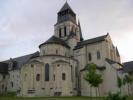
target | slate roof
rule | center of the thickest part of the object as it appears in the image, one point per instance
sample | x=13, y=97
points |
x=128, y=67
x=19, y=61
x=3, y=68
x=90, y=41
x=66, y=7
x=55, y=40
x=81, y=37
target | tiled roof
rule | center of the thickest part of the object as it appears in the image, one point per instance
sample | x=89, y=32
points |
x=66, y=7
x=19, y=61
x=55, y=40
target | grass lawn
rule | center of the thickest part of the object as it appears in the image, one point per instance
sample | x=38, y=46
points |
x=54, y=98
x=49, y=98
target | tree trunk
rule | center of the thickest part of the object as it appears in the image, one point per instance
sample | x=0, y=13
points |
x=98, y=92
x=91, y=92
x=128, y=90
x=120, y=90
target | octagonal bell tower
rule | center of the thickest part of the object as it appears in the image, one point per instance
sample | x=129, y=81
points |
x=66, y=26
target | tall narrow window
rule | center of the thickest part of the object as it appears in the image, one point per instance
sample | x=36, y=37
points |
x=63, y=76
x=25, y=76
x=98, y=55
x=2, y=86
x=54, y=77
x=71, y=73
x=32, y=65
x=60, y=32
x=47, y=72
x=43, y=52
x=56, y=51
x=11, y=84
x=65, y=33
x=38, y=77
x=4, y=76
x=89, y=56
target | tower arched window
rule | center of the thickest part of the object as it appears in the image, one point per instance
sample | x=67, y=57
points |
x=65, y=31
x=60, y=32
x=47, y=72
x=98, y=55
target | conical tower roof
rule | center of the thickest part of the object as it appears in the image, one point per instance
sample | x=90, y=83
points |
x=66, y=7
x=81, y=37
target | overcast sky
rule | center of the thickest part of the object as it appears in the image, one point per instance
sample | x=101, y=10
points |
x=24, y=24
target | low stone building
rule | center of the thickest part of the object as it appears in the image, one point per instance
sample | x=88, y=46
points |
x=4, y=76
x=127, y=70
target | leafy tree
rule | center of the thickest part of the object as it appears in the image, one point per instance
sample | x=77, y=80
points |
x=92, y=77
x=115, y=96
x=128, y=80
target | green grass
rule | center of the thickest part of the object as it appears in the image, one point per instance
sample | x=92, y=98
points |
x=53, y=98
x=49, y=98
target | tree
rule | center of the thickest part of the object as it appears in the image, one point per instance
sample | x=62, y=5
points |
x=115, y=96
x=128, y=80
x=92, y=77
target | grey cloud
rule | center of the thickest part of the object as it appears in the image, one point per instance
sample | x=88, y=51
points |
x=31, y=22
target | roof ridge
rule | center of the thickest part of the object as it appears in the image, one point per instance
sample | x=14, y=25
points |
x=104, y=36
x=56, y=40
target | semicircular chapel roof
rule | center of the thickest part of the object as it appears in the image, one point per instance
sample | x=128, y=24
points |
x=55, y=40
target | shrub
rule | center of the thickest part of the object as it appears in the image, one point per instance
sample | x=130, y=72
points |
x=115, y=96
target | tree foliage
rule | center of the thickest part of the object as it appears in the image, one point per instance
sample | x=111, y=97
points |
x=92, y=77
x=115, y=96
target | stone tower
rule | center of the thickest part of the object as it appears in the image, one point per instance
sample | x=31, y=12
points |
x=66, y=27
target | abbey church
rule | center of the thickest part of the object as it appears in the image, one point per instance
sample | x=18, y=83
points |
x=58, y=69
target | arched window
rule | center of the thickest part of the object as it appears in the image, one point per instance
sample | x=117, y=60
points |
x=11, y=84
x=54, y=77
x=65, y=33
x=47, y=72
x=89, y=56
x=98, y=55
x=43, y=52
x=56, y=51
x=38, y=77
x=25, y=76
x=60, y=32
x=63, y=76
x=32, y=65
x=75, y=30
x=71, y=73
x=4, y=76
x=2, y=86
